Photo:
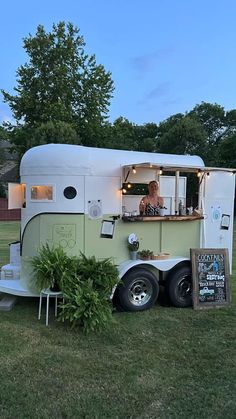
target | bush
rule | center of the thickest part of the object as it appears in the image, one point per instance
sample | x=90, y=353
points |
x=51, y=266
x=87, y=293
x=86, y=284
x=85, y=307
x=2, y=191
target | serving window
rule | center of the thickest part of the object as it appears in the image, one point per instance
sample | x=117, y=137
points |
x=42, y=193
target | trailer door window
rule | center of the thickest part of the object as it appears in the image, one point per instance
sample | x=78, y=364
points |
x=41, y=193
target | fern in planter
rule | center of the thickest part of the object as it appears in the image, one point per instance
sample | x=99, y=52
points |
x=103, y=273
x=87, y=293
x=50, y=267
x=85, y=307
x=145, y=254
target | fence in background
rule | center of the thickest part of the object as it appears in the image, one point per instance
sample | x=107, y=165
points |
x=6, y=214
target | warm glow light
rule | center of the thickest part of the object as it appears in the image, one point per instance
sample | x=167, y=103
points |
x=124, y=190
x=198, y=173
x=133, y=169
x=129, y=186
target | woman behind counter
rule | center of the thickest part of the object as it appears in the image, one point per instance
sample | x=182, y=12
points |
x=151, y=203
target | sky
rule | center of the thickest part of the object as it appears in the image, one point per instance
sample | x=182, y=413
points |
x=165, y=56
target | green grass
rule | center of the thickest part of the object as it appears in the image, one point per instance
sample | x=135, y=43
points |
x=9, y=232
x=162, y=363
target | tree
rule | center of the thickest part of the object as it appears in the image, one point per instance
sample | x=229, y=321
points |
x=183, y=135
x=27, y=136
x=212, y=118
x=227, y=151
x=146, y=137
x=62, y=83
x=120, y=135
x=218, y=125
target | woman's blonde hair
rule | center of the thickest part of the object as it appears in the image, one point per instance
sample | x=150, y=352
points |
x=153, y=181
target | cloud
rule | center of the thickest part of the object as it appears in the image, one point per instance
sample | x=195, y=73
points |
x=145, y=63
x=162, y=89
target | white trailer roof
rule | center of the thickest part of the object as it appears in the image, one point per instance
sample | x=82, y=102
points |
x=64, y=159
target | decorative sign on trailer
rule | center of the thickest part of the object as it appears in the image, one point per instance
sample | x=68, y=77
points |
x=210, y=273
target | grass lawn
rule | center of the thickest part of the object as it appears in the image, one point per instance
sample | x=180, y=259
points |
x=9, y=232
x=162, y=363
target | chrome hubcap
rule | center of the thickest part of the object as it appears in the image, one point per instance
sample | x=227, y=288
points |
x=140, y=292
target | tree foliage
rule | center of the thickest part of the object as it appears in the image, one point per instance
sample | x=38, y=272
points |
x=227, y=151
x=62, y=95
x=60, y=82
x=183, y=136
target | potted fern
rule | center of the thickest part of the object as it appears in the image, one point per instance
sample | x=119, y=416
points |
x=87, y=293
x=50, y=266
x=145, y=254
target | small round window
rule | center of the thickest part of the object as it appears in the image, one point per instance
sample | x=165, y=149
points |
x=70, y=192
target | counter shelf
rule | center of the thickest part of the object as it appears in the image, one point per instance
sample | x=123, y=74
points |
x=161, y=218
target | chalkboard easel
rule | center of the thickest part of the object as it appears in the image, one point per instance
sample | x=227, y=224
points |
x=210, y=274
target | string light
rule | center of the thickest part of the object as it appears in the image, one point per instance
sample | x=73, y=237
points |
x=133, y=169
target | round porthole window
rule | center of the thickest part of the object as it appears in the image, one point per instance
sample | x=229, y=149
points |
x=70, y=192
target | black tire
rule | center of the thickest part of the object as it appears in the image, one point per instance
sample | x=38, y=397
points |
x=140, y=290
x=179, y=287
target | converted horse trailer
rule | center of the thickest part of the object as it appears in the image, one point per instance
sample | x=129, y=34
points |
x=76, y=197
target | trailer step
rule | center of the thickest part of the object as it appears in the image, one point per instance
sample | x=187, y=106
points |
x=7, y=302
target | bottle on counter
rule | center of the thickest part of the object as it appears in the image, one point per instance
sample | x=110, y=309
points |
x=181, y=208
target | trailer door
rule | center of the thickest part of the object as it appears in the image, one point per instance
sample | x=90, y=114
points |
x=218, y=210
x=16, y=195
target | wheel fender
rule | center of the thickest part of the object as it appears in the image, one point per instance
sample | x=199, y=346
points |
x=152, y=265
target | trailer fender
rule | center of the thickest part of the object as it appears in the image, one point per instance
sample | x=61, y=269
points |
x=153, y=265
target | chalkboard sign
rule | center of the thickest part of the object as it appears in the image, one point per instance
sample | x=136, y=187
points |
x=210, y=273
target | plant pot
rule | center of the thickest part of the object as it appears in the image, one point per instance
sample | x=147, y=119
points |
x=145, y=257
x=161, y=256
x=133, y=255
x=162, y=212
x=55, y=288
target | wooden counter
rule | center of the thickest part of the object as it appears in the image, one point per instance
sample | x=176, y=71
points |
x=146, y=218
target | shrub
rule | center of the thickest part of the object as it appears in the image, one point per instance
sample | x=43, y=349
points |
x=50, y=266
x=85, y=307
x=87, y=293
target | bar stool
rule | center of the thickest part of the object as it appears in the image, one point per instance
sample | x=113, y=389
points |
x=48, y=293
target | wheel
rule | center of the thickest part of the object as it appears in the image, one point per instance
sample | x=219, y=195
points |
x=140, y=290
x=179, y=287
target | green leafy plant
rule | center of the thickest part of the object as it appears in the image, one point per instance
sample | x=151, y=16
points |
x=86, y=307
x=51, y=266
x=87, y=293
x=134, y=246
x=145, y=254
